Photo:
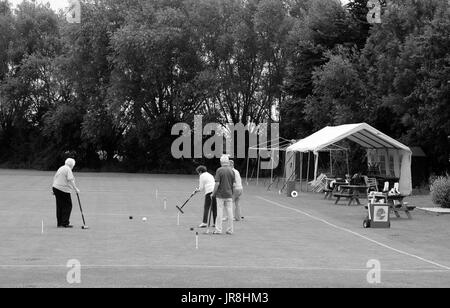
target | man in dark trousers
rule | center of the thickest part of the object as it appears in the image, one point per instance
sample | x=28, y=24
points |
x=63, y=185
x=223, y=191
x=206, y=184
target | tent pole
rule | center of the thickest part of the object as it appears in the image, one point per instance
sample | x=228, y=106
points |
x=285, y=166
x=257, y=172
x=271, y=171
x=316, y=165
x=248, y=161
x=348, y=164
x=307, y=173
x=301, y=171
x=331, y=163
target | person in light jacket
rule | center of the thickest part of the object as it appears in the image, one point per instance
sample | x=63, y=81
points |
x=63, y=185
x=206, y=184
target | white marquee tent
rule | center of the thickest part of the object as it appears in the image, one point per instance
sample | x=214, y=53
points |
x=394, y=156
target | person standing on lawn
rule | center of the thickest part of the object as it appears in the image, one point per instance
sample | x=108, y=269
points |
x=237, y=192
x=206, y=184
x=223, y=191
x=63, y=185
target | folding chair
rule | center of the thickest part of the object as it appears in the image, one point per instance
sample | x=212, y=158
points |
x=372, y=184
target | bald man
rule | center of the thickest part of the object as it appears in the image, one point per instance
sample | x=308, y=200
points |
x=63, y=185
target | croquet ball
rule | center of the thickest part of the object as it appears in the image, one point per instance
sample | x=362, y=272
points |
x=192, y=229
x=144, y=219
x=366, y=223
x=131, y=217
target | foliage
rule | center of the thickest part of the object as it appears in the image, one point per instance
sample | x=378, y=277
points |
x=440, y=191
x=108, y=90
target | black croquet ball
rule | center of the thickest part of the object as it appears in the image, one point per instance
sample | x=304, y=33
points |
x=192, y=229
x=366, y=223
x=131, y=217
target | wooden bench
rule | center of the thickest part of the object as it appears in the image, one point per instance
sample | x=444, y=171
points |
x=349, y=196
x=402, y=207
x=351, y=192
x=328, y=192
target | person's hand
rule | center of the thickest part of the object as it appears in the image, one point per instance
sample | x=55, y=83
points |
x=78, y=191
x=197, y=190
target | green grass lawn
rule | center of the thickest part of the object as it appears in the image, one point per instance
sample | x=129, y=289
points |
x=283, y=242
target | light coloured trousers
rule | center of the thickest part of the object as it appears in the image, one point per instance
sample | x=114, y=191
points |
x=228, y=205
x=236, y=198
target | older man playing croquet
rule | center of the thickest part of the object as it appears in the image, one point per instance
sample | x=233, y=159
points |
x=63, y=185
x=223, y=191
x=237, y=192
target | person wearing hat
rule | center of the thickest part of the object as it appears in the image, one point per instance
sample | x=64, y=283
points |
x=63, y=185
x=223, y=191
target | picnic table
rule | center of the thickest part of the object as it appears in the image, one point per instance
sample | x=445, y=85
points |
x=333, y=186
x=351, y=192
x=397, y=204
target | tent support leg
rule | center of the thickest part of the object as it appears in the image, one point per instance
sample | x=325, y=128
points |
x=331, y=163
x=348, y=164
x=248, y=161
x=307, y=173
x=257, y=172
x=301, y=171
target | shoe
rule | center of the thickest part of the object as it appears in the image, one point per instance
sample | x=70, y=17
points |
x=202, y=225
x=229, y=233
x=68, y=226
x=217, y=232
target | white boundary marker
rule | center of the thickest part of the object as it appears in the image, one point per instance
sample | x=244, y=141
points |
x=42, y=227
x=356, y=234
x=435, y=210
x=226, y=267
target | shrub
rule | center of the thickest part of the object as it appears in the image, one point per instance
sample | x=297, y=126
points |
x=440, y=191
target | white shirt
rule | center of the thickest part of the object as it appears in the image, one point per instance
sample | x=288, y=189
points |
x=238, y=180
x=207, y=183
x=62, y=179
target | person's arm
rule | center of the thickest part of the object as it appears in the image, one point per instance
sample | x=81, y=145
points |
x=74, y=186
x=202, y=182
x=216, y=186
x=71, y=181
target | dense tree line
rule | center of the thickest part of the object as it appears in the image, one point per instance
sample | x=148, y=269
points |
x=108, y=91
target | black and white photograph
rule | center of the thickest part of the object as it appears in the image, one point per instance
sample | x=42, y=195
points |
x=224, y=150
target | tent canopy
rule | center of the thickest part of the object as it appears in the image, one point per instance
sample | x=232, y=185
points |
x=363, y=134
x=368, y=137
